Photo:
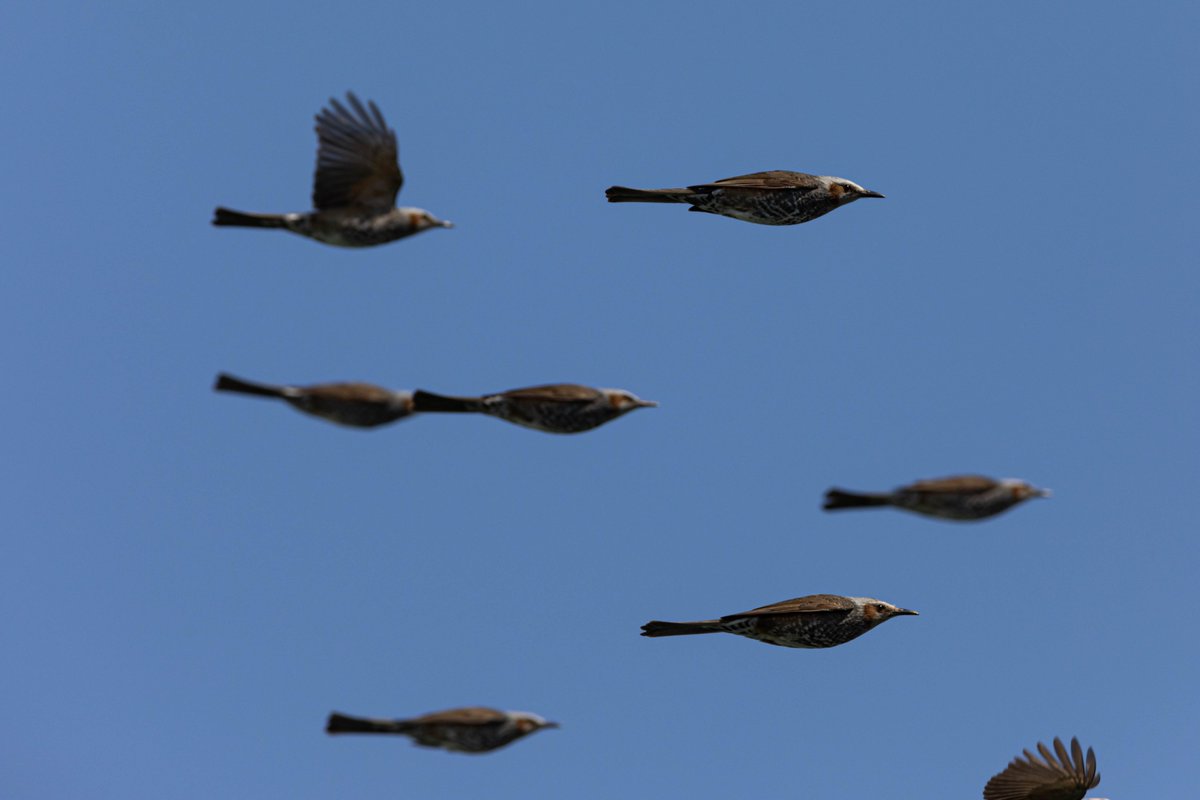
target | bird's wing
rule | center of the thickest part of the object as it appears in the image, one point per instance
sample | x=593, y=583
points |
x=474, y=715
x=774, y=179
x=956, y=484
x=356, y=158
x=351, y=392
x=810, y=604
x=1057, y=775
x=556, y=393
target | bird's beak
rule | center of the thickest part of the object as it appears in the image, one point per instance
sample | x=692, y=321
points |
x=551, y=725
x=646, y=404
x=906, y=612
x=445, y=223
x=1042, y=493
x=869, y=193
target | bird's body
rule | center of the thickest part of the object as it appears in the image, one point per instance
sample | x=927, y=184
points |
x=463, y=730
x=963, y=497
x=813, y=621
x=354, y=191
x=1057, y=775
x=777, y=197
x=358, y=405
x=554, y=408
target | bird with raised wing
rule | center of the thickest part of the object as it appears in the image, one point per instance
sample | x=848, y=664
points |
x=962, y=497
x=777, y=197
x=1057, y=775
x=813, y=621
x=354, y=192
x=358, y=405
x=460, y=730
x=554, y=408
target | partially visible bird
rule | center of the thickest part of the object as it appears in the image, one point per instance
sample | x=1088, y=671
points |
x=1055, y=776
x=461, y=730
x=359, y=405
x=963, y=497
x=816, y=620
x=354, y=192
x=777, y=197
x=554, y=408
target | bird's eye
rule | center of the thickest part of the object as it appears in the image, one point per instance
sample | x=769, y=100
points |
x=881, y=608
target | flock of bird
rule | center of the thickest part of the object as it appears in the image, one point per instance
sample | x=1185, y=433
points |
x=354, y=205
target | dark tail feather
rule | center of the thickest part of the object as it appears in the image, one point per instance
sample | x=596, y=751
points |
x=228, y=383
x=623, y=194
x=340, y=723
x=659, y=628
x=428, y=401
x=837, y=498
x=240, y=219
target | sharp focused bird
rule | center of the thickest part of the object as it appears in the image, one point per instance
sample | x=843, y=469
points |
x=816, y=620
x=460, y=730
x=777, y=197
x=963, y=497
x=1057, y=775
x=354, y=192
x=554, y=408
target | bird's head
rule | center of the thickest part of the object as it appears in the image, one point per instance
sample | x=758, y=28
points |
x=422, y=220
x=1023, y=490
x=623, y=401
x=845, y=191
x=528, y=723
x=877, y=611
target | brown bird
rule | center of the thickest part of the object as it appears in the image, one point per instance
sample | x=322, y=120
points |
x=461, y=730
x=357, y=180
x=1055, y=776
x=359, y=405
x=964, y=497
x=816, y=620
x=777, y=197
x=555, y=408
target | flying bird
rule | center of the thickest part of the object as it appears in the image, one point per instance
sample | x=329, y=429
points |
x=359, y=405
x=555, y=408
x=963, y=497
x=1057, y=775
x=354, y=192
x=777, y=197
x=816, y=620
x=460, y=730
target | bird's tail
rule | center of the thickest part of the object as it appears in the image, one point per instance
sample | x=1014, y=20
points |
x=228, y=383
x=623, y=194
x=240, y=219
x=659, y=628
x=428, y=401
x=341, y=723
x=837, y=499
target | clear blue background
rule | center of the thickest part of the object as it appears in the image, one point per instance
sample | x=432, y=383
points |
x=192, y=581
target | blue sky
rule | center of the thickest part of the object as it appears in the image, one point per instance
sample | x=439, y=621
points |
x=193, y=581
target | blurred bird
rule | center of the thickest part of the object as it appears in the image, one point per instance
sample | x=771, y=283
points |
x=555, y=408
x=461, y=730
x=964, y=497
x=817, y=620
x=356, y=183
x=777, y=197
x=359, y=405
x=1067, y=777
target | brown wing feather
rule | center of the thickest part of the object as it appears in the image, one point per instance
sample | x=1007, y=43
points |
x=356, y=158
x=958, y=483
x=360, y=392
x=809, y=604
x=556, y=392
x=773, y=179
x=472, y=715
x=1056, y=775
